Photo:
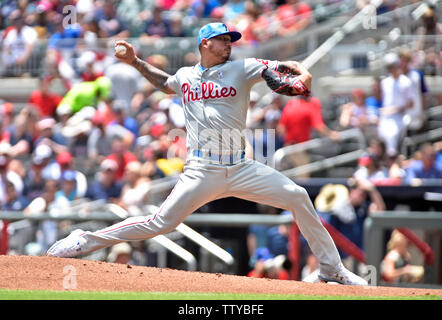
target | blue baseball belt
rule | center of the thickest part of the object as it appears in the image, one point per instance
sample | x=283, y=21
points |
x=220, y=158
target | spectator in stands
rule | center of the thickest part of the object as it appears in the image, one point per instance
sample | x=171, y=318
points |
x=203, y=8
x=19, y=137
x=135, y=190
x=299, y=117
x=267, y=141
x=7, y=113
x=121, y=155
x=43, y=156
x=396, y=267
x=65, y=161
x=6, y=174
x=430, y=27
x=40, y=19
x=398, y=96
x=68, y=191
x=396, y=170
x=169, y=166
x=46, y=136
x=99, y=141
x=154, y=119
x=18, y=45
x=111, y=26
x=355, y=114
x=176, y=24
x=106, y=187
x=377, y=149
x=253, y=25
x=278, y=238
x=120, y=109
x=370, y=168
x=65, y=36
x=425, y=166
x=379, y=167
x=126, y=81
x=310, y=269
x=46, y=233
x=120, y=253
x=414, y=117
x=293, y=16
x=233, y=9
x=86, y=94
x=135, y=13
x=78, y=137
x=87, y=66
x=91, y=30
x=42, y=202
x=44, y=101
x=34, y=180
x=101, y=137
x=374, y=102
x=257, y=233
x=63, y=114
x=265, y=267
x=59, y=66
x=13, y=201
x=157, y=26
x=158, y=61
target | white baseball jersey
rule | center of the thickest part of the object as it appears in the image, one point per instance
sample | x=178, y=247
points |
x=217, y=99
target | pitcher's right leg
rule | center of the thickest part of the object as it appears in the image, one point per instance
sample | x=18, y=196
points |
x=195, y=187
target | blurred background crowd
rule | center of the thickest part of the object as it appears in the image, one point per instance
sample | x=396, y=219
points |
x=93, y=128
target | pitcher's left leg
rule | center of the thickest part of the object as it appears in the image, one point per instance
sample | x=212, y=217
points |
x=256, y=182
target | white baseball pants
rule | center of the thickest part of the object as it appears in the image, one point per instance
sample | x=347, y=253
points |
x=202, y=182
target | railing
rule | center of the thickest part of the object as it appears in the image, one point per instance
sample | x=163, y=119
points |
x=199, y=239
x=409, y=145
x=350, y=134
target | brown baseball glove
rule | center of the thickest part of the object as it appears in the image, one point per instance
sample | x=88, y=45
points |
x=285, y=84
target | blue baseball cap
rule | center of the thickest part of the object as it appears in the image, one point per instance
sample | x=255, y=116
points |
x=215, y=29
x=68, y=175
x=263, y=254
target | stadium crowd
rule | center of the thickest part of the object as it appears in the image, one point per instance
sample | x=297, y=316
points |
x=106, y=138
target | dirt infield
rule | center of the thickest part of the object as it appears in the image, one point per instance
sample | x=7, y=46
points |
x=44, y=273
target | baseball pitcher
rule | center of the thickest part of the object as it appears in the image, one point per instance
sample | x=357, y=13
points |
x=215, y=97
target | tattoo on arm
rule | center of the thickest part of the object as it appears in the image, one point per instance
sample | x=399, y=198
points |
x=156, y=76
x=291, y=67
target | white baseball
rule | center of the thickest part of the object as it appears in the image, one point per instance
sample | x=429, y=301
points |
x=120, y=49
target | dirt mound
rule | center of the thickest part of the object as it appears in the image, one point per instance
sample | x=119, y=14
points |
x=45, y=273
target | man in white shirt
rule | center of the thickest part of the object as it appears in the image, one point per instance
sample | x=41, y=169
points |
x=398, y=97
x=18, y=46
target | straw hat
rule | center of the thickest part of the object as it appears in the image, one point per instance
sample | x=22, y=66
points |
x=329, y=195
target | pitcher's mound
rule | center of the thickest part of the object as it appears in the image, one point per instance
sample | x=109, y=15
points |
x=45, y=273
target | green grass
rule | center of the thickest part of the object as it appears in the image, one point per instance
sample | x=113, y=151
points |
x=93, y=295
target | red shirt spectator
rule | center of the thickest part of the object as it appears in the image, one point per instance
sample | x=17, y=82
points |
x=45, y=101
x=121, y=156
x=293, y=16
x=299, y=117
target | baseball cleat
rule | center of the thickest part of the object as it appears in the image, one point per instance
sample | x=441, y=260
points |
x=68, y=247
x=343, y=276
